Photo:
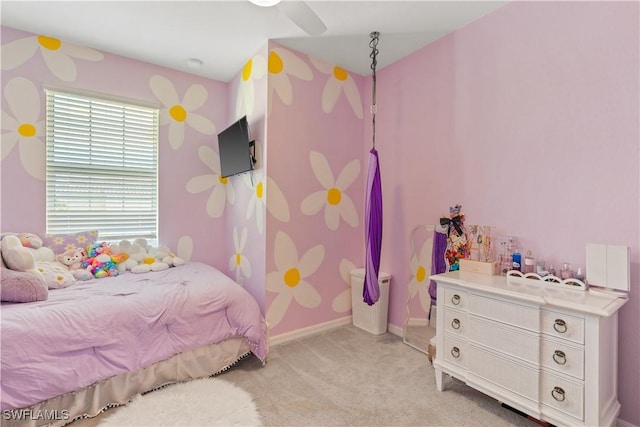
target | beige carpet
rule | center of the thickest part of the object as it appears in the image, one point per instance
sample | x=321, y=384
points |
x=348, y=377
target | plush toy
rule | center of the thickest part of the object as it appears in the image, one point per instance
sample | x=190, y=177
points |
x=33, y=242
x=30, y=240
x=163, y=254
x=142, y=257
x=72, y=259
x=173, y=260
x=17, y=257
x=124, y=249
x=101, y=262
x=20, y=286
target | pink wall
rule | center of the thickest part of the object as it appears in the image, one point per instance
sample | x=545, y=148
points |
x=527, y=117
x=301, y=127
x=249, y=97
x=183, y=219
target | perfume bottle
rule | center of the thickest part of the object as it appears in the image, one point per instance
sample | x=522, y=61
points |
x=566, y=272
x=541, y=268
x=552, y=270
x=529, y=263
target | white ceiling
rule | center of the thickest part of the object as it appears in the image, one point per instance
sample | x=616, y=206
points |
x=225, y=34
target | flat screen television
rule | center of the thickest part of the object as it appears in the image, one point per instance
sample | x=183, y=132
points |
x=235, y=149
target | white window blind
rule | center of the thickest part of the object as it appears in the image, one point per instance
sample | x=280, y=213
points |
x=102, y=167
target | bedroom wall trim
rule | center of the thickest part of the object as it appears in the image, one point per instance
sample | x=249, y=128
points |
x=311, y=330
x=57, y=87
x=622, y=423
x=395, y=330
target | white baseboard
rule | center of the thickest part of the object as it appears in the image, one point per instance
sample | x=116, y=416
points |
x=322, y=327
x=621, y=423
x=311, y=330
x=395, y=330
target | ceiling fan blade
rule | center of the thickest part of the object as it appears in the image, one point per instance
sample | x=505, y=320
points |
x=302, y=15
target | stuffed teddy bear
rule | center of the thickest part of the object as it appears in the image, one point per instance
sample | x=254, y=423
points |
x=33, y=242
x=72, y=259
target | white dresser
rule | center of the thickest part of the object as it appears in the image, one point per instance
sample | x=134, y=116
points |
x=544, y=350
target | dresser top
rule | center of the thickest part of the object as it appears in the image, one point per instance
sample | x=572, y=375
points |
x=535, y=292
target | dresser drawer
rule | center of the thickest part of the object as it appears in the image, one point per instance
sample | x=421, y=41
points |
x=563, y=326
x=455, y=350
x=561, y=394
x=506, y=312
x=455, y=321
x=563, y=358
x=517, y=377
x=456, y=298
x=500, y=337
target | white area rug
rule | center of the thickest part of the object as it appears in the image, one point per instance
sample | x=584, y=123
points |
x=203, y=402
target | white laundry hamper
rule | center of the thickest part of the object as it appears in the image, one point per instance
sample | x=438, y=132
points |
x=371, y=318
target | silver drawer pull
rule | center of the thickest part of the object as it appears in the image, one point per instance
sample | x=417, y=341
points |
x=455, y=324
x=560, y=326
x=455, y=352
x=559, y=357
x=558, y=394
x=455, y=300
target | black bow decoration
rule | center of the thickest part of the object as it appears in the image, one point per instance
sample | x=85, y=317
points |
x=455, y=221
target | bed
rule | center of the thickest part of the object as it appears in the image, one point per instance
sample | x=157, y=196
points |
x=98, y=343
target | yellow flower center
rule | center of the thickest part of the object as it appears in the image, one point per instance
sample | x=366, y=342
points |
x=275, y=63
x=246, y=71
x=421, y=273
x=27, y=130
x=259, y=190
x=333, y=196
x=238, y=258
x=178, y=113
x=340, y=73
x=292, y=277
x=223, y=180
x=49, y=42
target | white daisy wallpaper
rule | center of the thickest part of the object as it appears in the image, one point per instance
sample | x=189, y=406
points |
x=532, y=128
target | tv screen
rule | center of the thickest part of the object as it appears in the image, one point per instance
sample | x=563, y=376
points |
x=235, y=149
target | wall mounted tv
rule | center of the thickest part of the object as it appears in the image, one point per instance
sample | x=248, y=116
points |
x=235, y=148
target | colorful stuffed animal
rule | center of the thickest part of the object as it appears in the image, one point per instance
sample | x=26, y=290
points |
x=101, y=262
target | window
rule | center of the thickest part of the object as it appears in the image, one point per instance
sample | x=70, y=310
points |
x=102, y=167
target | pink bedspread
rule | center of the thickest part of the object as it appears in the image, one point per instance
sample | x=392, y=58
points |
x=99, y=328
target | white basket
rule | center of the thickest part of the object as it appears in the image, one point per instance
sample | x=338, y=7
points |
x=371, y=318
